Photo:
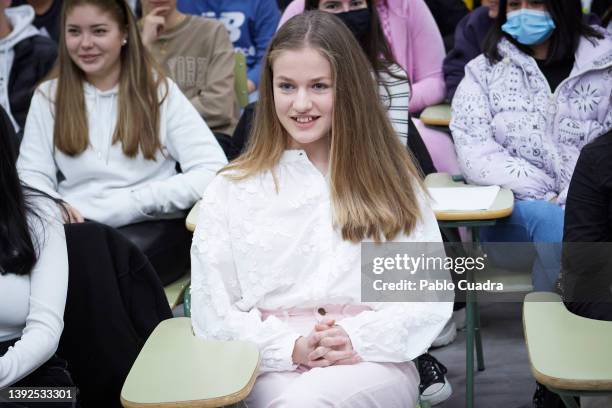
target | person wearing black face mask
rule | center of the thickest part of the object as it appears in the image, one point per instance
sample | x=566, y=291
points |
x=358, y=21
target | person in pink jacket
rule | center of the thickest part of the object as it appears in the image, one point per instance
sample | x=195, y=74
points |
x=415, y=42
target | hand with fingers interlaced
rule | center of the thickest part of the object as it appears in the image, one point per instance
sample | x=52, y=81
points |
x=328, y=344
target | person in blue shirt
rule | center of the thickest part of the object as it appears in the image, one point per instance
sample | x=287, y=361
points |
x=251, y=24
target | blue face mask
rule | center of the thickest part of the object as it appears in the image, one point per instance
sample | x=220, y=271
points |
x=529, y=27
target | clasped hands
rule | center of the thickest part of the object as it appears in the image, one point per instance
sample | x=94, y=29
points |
x=326, y=345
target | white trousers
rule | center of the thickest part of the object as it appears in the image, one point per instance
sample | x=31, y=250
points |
x=363, y=385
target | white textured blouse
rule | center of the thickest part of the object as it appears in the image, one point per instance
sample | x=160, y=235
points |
x=254, y=249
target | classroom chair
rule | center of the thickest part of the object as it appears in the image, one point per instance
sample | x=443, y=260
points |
x=177, y=369
x=569, y=354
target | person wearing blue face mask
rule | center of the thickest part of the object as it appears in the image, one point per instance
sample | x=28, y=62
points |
x=525, y=108
x=529, y=27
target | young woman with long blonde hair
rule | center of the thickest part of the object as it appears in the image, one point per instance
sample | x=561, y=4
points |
x=106, y=132
x=276, y=253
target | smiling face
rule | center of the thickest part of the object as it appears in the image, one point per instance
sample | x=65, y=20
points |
x=94, y=40
x=304, y=97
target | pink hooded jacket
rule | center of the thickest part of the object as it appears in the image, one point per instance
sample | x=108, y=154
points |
x=416, y=44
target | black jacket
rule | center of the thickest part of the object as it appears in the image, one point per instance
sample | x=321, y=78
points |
x=586, y=276
x=34, y=58
x=114, y=302
x=447, y=14
x=469, y=34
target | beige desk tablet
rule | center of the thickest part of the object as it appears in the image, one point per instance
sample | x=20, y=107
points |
x=177, y=369
x=502, y=206
x=436, y=115
x=566, y=351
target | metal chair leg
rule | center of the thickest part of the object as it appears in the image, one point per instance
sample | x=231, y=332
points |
x=424, y=404
x=471, y=313
x=569, y=401
x=469, y=351
x=478, y=337
x=478, y=334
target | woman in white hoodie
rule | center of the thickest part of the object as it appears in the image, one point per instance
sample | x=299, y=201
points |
x=106, y=133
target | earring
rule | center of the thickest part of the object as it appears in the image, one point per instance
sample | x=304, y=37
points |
x=124, y=41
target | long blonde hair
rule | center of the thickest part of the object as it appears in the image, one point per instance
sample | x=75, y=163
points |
x=373, y=179
x=137, y=126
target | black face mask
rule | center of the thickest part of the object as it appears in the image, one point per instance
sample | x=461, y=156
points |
x=358, y=21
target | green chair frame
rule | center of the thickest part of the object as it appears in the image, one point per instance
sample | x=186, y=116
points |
x=240, y=80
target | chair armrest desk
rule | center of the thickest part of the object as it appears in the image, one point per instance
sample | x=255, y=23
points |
x=177, y=369
x=436, y=115
x=569, y=354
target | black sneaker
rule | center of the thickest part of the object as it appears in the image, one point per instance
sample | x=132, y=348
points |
x=434, y=387
x=538, y=396
x=544, y=398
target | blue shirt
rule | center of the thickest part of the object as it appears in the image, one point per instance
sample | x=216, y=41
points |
x=250, y=24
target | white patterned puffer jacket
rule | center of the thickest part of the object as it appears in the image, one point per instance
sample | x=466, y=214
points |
x=511, y=130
